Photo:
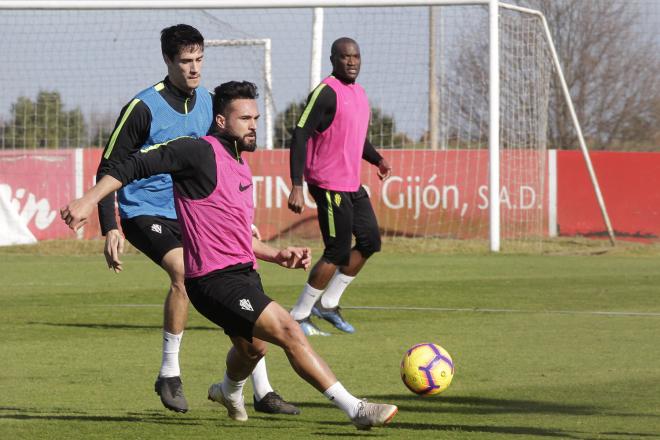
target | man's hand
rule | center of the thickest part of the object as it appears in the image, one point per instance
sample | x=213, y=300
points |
x=114, y=247
x=294, y=257
x=296, y=199
x=384, y=169
x=77, y=212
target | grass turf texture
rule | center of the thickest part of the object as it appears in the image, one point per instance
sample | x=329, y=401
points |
x=81, y=347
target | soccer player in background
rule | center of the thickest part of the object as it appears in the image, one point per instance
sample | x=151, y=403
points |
x=213, y=196
x=329, y=143
x=177, y=106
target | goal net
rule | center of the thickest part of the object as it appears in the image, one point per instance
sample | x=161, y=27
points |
x=67, y=73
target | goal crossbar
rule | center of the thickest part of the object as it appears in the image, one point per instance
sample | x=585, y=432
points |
x=228, y=4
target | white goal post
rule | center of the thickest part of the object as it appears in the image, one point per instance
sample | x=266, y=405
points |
x=495, y=77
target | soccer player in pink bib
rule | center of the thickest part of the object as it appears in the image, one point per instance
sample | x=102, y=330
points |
x=329, y=143
x=213, y=199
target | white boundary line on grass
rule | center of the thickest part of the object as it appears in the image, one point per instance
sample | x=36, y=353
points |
x=475, y=309
x=480, y=310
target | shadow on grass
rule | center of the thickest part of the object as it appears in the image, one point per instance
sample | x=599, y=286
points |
x=88, y=325
x=510, y=430
x=475, y=405
x=156, y=417
x=66, y=414
x=162, y=418
x=485, y=405
x=525, y=431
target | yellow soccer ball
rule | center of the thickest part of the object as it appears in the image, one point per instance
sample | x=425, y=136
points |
x=427, y=369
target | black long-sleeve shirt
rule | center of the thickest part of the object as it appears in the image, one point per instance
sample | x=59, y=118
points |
x=192, y=164
x=129, y=135
x=318, y=119
x=190, y=161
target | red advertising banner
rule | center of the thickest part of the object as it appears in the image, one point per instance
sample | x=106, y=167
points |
x=430, y=193
x=630, y=184
x=38, y=183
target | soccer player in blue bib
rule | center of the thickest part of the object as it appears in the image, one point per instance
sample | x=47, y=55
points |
x=175, y=107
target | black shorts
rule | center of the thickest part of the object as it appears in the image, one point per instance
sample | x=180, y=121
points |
x=232, y=299
x=153, y=236
x=341, y=216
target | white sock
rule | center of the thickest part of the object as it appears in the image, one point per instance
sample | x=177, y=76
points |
x=169, y=367
x=338, y=283
x=233, y=389
x=342, y=399
x=306, y=301
x=260, y=380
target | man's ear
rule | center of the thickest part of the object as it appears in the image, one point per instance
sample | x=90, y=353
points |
x=220, y=121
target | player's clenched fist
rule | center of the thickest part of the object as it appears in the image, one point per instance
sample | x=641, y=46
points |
x=294, y=257
x=76, y=213
x=296, y=199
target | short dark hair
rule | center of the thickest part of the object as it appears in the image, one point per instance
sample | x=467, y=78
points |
x=340, y=41
x=177, y=37
x=225, y=93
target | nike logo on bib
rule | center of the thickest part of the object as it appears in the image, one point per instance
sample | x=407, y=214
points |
x=242, y=188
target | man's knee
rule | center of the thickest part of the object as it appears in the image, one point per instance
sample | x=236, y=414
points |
x=337, y=256
x=291, y=335
x=368, y=251
x=172, y=263
x=280, y=327
x=369, y=244
x=178, y=288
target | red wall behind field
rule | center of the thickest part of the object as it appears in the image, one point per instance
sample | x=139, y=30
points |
x=630, y=184
x=39, y=182
x=430, y=193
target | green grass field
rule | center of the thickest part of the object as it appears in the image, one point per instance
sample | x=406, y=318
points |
x=546, y=346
